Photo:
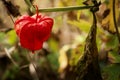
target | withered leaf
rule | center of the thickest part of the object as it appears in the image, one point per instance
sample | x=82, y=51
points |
x=108, y=17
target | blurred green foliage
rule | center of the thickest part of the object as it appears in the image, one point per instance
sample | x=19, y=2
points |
x=68, y=36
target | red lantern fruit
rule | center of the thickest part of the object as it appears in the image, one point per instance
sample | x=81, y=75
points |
x=33, y=30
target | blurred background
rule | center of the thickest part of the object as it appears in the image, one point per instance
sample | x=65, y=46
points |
x=61, y=52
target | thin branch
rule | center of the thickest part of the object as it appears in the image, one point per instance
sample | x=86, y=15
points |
x=115, y=22
x=9, y=56
x=33, y=65
x=28, y=3
x=57, y=9
x=69, y=8
x=11, y=18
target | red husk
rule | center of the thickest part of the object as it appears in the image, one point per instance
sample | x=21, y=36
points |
x=33, y=30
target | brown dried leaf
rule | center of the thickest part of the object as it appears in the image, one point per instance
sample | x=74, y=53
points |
x=108, y=17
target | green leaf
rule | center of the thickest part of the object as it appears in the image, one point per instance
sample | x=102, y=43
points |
x=53, y=59
x=78, y=15
x=11, y=36
x=112, y=72
x=114, y=56
x=81, y=24
x=2, y=36
x=53, y=45
x=80, y=2
x=112, y=41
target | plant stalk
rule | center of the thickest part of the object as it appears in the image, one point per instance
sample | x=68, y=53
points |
x=37, y=75
x=57, y=9
x=70, y=8
x=115, y=22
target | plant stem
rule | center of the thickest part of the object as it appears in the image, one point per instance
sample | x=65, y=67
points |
x=28, y=3
x=58, y=9
x=70, y=8
x=115, y=22
x=33, y=66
